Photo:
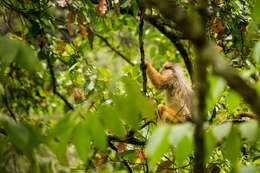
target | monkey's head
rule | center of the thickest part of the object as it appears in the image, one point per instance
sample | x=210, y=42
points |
x=173, y=68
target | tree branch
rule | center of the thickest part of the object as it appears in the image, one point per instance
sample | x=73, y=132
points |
x=5, y=100
x=124, y=161
x=141, y=46
x=129, y=140
x=157, y=22
x=114, y=49
x=54, y=86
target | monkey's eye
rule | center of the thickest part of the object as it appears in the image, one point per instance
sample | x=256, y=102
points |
x=167, y=67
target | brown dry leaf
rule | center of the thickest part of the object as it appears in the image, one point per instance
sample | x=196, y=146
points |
x=71, y=17
x=102, y=7
x=163, y=165
x=80, y=19
x=39, y=39
x=243, y=29
x=83, y=31
x=139, y=154
x=71, y=28
x=99, y=160
x=26, y=2
x=61, y=46
x=76, y=94
x=122, y=147
x=219, y=25
x=169, y=171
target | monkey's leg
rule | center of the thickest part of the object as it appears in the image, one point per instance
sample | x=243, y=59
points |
x=168, y=114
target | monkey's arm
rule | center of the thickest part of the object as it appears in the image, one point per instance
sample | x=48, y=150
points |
x=154, y=76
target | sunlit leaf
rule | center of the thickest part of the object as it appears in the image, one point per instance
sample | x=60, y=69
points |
x=210, y=142
x=81, y=140
x=232, y=146
x=20, y=136
x=27, y=58
x=183, y=149
x=257, y=52
x=216, y=88
x=248, y=169
x=158, y=143
x=249, y=129
x=233, y=100
x=222, y=130
x=97, y=131
x=8, y=49
x=177, y=132
x=111, y=120
x=257, y=10
x=128, y=155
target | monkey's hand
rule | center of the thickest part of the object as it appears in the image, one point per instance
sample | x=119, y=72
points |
x=148, y=63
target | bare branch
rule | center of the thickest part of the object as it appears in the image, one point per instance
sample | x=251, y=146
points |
x=124, y=161
x=141, y=46
x=54, y=86
x=129, y=140
x=157, y=22
x=114, y=49
x=5, y=100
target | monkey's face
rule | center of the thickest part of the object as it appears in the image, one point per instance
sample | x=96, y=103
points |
x=171, y=69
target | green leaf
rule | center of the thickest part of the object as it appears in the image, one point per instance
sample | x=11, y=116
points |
x=8, y=49
x=248, y=169
x=211, y=142
x=257, y=10
x=152, y=52
x=111, y=121
x=249, y=130
x=97, y=131
x=45, y=165
x=233, y=100
x=19, y=135
x=179, y=131
x=134, y=104
x=81, y=140
x=126, y=110
x=183, y=149
x=222, y=130
x=257, y=86
x=59, y=136
x=216, y=88
x=59, y=144
x=158, y=143
x=256, y=54
x=128, y=155
x=27, y=58
x=232, y=146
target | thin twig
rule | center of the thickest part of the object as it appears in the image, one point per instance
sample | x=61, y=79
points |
x=54, y=86
x=5, y=100
x=3, y=131
x=114, y=49
x=129, y=140
x=141, y=46
x=112, y=146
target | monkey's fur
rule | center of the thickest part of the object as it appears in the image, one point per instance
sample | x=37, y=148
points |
x=178, y=92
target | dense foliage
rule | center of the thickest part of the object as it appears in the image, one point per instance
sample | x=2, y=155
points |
x=73, y=94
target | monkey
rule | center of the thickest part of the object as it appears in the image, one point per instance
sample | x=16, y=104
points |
x=178, y=92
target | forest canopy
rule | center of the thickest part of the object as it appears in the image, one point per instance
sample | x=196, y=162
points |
x=75, y=95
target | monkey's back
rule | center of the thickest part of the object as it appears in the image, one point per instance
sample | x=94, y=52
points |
x=179, y=96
